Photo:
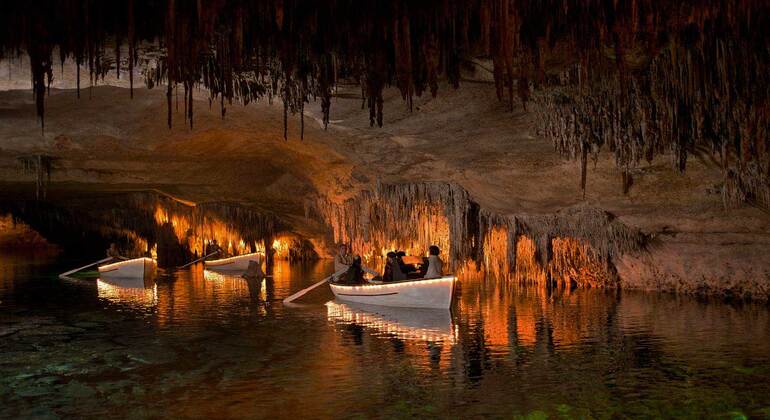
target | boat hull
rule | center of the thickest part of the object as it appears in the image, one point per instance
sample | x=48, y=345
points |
x=431, y=293
x=238, y=263
x=138, y=268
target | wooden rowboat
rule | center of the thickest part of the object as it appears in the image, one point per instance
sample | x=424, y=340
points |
x=238, y=263
x=423, y=293
x=138, y=268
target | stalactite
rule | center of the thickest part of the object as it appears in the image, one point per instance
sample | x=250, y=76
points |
x=403, y=57
x=699, y=91
x=189, y=99
x=169, y=88
x=131, y=46
x=414, y=216
x=642, y=78
x=40, y=166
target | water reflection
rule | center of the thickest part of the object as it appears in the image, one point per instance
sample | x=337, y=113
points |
x=132, y=292
x=403, y=323
x=201, y=343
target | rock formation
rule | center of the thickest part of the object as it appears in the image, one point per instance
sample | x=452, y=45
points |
x=631, y=86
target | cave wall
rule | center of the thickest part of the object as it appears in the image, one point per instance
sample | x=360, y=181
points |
x=660, y=105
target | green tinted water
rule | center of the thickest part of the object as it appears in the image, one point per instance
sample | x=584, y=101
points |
x=198, y=344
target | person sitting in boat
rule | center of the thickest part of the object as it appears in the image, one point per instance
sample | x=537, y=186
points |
x=113, y=251
x=387, y=272
x=343, y=259
x=435, y=265
x=354, y=274
x=213, y=247
x=393, y=271
x=406, y=268
x=408, y=265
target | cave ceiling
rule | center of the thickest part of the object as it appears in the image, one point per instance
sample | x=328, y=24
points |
x=640, y=78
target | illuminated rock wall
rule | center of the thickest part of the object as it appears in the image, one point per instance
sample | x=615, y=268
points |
x=574, y=247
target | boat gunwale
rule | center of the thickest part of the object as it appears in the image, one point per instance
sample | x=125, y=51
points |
x=230, y=260
x=451, y=278
x=116, y=265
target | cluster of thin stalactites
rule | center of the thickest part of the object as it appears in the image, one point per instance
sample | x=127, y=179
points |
x=574, y=247
x=643, y=77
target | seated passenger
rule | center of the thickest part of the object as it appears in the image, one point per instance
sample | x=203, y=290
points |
x=214, y=248
x=113, y=251
x=343, y=259
x=355, y=274
x=390, y=259
x=423, y=267
x=396, y=271
x=406, y=268
x=435, y=265
x=408, y=265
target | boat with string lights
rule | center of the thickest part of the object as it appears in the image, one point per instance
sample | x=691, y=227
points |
x=433, y=293
x=137, y=268
x=237, y=263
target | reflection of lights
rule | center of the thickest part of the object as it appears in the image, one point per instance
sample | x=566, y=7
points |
x=128, y=292
x=227, y=282
x=409, y=324
x=213, y=275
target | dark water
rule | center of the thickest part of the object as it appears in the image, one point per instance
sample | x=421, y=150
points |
x=203, y=345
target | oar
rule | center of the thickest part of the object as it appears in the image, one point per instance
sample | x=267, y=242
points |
x=304, y=291
x=62, y=275
x=201, y=258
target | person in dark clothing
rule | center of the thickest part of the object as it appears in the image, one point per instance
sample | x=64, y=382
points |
x=390, y=259
x=355, y=274
x=393, y=271
x=213, y=247
x=405, y=268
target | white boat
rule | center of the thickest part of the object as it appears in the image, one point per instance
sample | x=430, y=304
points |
x=237, y=263
x=138, y=268
x=422, y=293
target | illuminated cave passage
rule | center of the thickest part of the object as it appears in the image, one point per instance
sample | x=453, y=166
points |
x=594, y=173
x=566, y=250
x=572, y=248
x=142, y=223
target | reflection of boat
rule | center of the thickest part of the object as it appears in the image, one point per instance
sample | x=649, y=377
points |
x=138, y=268
x=406, y=323
x=134, y=290
x=237, y=263
x=429, y=293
